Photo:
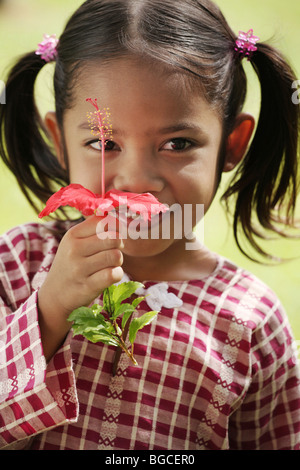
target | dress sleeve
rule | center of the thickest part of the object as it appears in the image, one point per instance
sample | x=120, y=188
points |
x=34, y=396
x=269, y=416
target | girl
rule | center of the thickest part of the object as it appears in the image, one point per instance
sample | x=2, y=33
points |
x=217, y=367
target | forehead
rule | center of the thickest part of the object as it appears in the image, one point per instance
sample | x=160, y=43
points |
x=134, y=86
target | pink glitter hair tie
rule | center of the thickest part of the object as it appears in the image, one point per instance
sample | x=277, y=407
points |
x=47, y=48
x=245, y=43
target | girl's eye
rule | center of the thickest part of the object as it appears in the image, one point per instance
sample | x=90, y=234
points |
x=97, y=145
x=178, y=145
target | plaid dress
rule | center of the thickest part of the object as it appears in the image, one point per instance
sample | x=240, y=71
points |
x=218, y=371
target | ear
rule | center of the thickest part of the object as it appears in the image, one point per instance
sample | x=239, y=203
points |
x=238, y=141
x=55, y=134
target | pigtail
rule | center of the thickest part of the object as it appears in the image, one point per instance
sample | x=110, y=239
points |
x=266, y=184
x=23, y=137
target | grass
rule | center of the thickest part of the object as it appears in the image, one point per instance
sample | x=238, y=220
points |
x=22, y=24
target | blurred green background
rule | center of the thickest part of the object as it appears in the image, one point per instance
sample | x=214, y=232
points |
x=22, y=24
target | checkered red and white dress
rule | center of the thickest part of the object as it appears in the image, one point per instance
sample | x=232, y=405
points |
x=218, y=372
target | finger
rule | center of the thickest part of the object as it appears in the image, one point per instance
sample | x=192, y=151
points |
x=101, y=280
x=108, y=226
x=103, y=227
x=86, y=228
x=103, y=260
x=89, y=246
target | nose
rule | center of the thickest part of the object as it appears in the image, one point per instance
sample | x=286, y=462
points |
x=138, y=173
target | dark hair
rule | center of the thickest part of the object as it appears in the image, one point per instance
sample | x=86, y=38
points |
x=23, y=138
x=193, y=36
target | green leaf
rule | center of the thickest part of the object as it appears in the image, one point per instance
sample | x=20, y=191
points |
x=108, y=303
x=93, y=328
x=83, y=328
x=118, y=329
x=114, y=295
x=90, y=317
x=137, y=301
x=139, y=323
x=122, y=309
x=124, y=290
x=96, y=308
x=96, y=337
x=89, y=321
x=80, y=313
x=128, y=312
x=126, y=317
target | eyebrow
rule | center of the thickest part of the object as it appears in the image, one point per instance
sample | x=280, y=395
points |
x=84, y=126
x=181, y=126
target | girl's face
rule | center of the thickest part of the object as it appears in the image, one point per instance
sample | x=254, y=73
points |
x=166, y=137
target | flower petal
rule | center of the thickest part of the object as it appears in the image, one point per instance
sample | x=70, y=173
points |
x=75, y=195
x=78, y=197
x=146, y=204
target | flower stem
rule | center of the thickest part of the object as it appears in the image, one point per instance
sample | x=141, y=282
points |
x=103, y=164
x=123, y=346
x=129, y=354
x=102, y=140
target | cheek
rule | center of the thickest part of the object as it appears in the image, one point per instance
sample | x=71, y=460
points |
x=86, y=178
x=197, y=184
x=83, y=170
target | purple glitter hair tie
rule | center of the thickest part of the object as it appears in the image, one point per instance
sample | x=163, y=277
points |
x=47, y=48
x=245, y=43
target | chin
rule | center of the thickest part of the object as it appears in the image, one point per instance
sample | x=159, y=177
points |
x=145, y=248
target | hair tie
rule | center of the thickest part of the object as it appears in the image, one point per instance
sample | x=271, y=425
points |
x=245, y=43
x=47, y=48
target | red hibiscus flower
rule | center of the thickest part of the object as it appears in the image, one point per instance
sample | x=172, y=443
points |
x=89, y=203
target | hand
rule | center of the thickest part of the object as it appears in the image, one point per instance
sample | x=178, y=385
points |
x=83, y=267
